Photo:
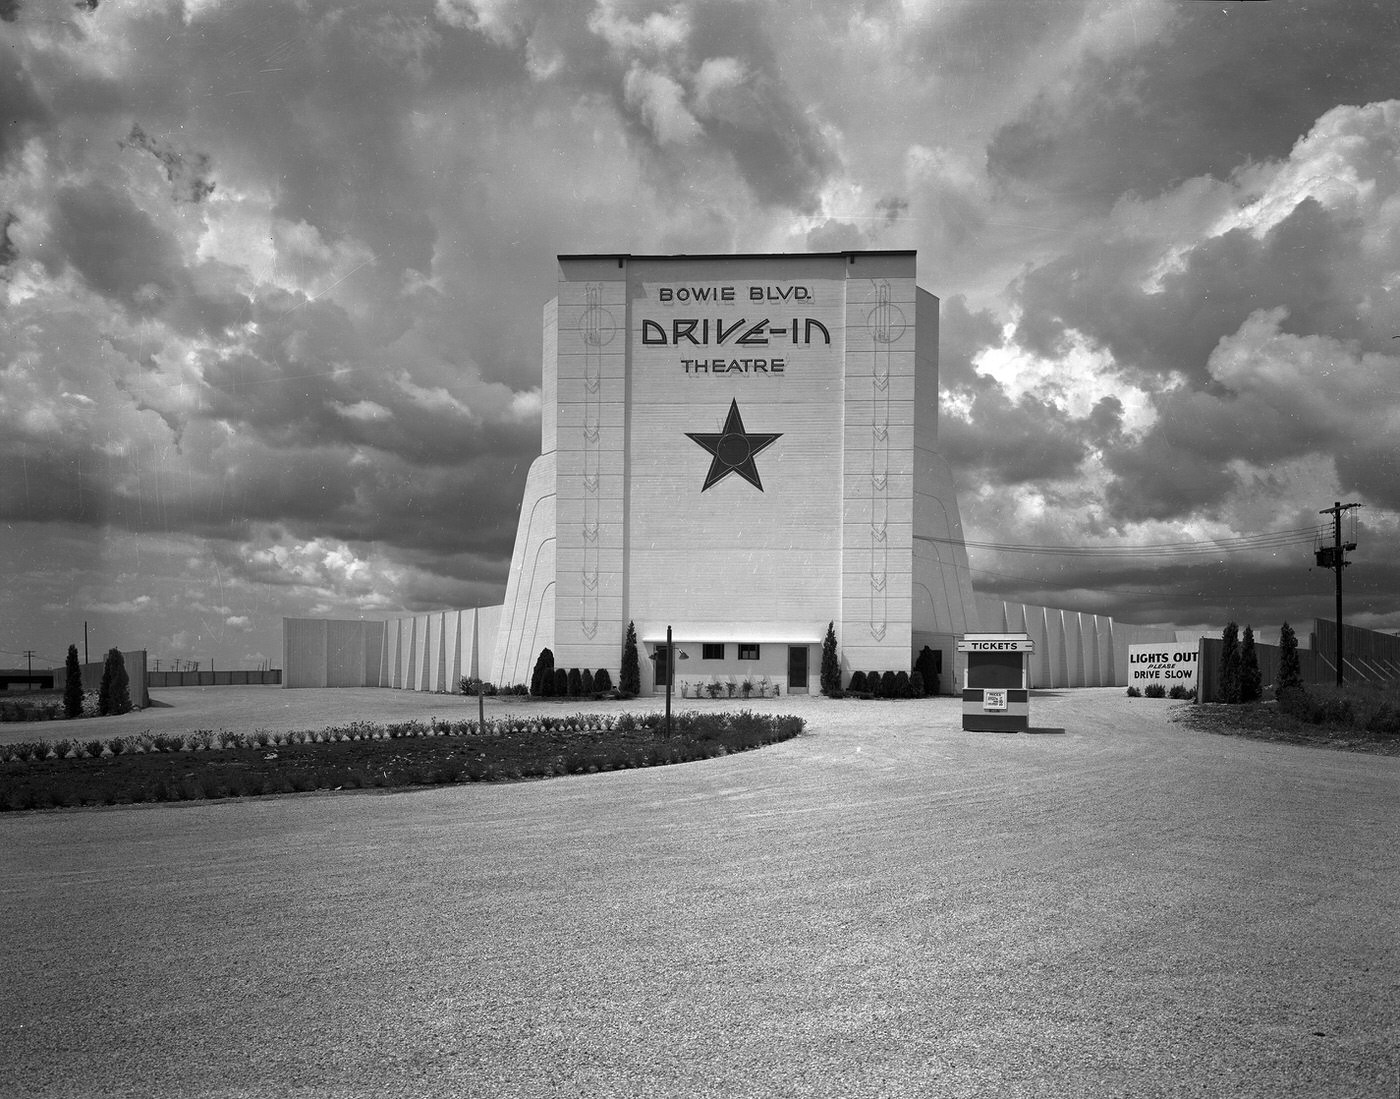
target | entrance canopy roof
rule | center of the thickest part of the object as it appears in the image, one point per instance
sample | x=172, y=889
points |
x=699, y=635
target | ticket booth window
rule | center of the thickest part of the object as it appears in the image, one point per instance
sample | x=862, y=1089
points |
x=995, y=670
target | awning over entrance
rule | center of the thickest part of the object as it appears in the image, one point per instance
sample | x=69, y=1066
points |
x=699, y=635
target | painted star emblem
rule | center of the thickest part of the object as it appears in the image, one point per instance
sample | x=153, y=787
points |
x=734, y=449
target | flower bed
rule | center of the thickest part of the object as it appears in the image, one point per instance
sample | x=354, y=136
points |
x=210, y=764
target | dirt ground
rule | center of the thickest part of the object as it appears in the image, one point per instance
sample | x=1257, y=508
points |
x=885, y=906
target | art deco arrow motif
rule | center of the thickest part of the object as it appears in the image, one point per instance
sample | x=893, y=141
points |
x=590, y=482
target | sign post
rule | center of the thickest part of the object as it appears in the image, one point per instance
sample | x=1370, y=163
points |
x=996, y=692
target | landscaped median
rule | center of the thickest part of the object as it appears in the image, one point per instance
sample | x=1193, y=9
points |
x=224, y=764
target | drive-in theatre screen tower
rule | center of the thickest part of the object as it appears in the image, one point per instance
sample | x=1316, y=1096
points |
x=743, y=448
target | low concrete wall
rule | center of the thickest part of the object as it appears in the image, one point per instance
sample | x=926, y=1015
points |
x=230, y=678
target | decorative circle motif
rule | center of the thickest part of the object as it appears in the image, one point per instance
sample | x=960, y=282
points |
x=733, y=449
x=886, y=322
x=599, y=328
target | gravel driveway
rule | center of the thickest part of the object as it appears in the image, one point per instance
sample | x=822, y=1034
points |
x=885, y=906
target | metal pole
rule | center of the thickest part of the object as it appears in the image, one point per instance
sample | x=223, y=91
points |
x=669, y=677
x=85, y=652
x=476, y=671
x=1337, y=568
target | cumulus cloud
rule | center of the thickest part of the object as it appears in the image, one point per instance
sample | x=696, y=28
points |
x=317, y=384
x=186, y=171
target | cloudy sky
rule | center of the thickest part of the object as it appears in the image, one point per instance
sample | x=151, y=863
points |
x=273, y=273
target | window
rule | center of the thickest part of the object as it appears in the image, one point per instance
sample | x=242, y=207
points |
x=748, y=652
x=712, y=652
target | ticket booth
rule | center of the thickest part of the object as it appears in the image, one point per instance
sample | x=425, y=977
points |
x=996, y=694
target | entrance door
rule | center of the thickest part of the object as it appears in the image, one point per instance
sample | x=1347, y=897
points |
x=797, y=669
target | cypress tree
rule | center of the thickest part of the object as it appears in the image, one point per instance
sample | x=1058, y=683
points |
x=121, y=683
x=72, y=684
x=629, y=679
x=543, y=663
x=831, y=664
x=1230, y=663
x=1251, y=689
x=104, y=687
x=1290, y=672
x=927, y=666
x=602, y=681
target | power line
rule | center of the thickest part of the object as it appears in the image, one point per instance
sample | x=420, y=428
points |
x=1198, y=548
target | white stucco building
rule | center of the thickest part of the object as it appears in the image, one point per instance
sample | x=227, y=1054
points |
x=743, y=448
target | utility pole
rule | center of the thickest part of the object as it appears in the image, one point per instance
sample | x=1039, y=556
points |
x=29, y=655
x=1334, y=557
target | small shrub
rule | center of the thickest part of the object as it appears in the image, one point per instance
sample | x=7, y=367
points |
x=857, y=683
x=872, y=684
x=561, y=683
x=117, y=746
x=1133, y=692
x=1384, y=720
x=602, y=681
x=63, y=748
x=888, y=689
x=94, y=748
x=916, y=683
x=1154, y=690
x=902, y=688
x=574, y=683
x=586, y=687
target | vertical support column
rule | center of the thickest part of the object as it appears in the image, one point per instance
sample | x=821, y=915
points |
x=591, y=428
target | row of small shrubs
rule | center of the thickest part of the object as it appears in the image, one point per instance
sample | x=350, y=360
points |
x=887, y=684
x=1156, y=690
x=574, y=683
x=470, y=685
x=207, y=739
x=38, y=707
